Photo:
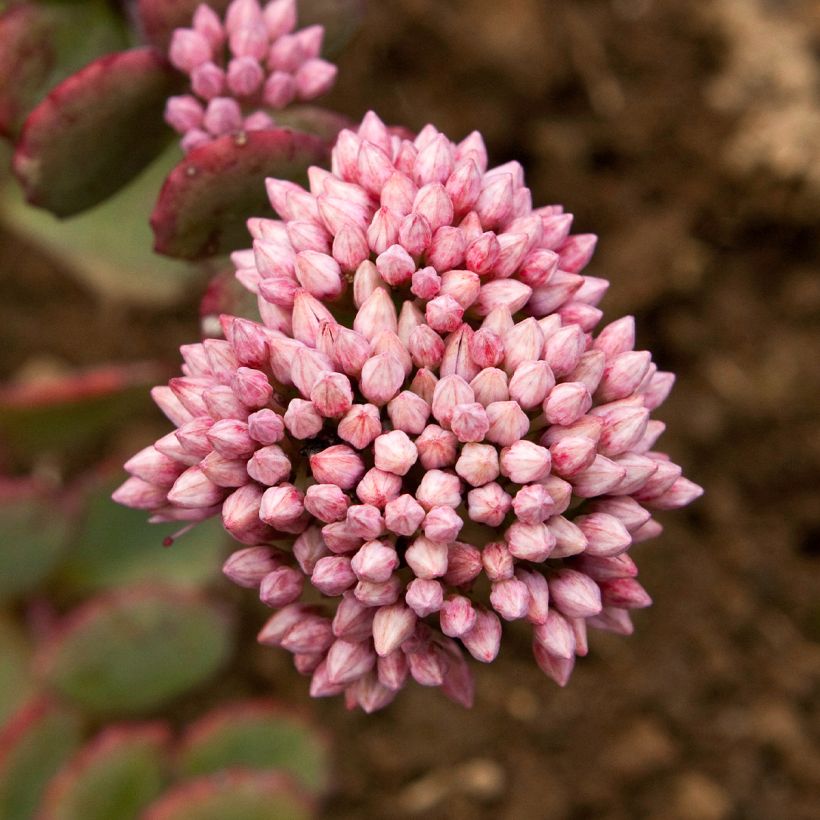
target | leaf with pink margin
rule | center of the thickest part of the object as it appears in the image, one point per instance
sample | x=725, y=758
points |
x=44, y=43
x=115, y=775
x=233, y=795
x=34, y=744
x=256, y=735
x=95, y=131
x=206, y=200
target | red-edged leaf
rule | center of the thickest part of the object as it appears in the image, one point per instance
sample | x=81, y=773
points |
x=204, y=203
x=95, y=131
x=42, y=43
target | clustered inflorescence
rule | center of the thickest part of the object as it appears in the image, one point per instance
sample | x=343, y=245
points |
x=244, y=69
x=424, y=436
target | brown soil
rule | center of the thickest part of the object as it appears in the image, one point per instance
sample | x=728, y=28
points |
x=686, y=136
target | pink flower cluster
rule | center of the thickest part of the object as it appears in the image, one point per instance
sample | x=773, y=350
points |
x=243, y=69
x=423, y=437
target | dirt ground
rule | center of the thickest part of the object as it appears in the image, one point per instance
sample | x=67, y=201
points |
x=687, y=135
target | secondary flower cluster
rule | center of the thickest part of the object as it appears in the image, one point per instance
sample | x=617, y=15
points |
x=423, y=437
x=243, y=69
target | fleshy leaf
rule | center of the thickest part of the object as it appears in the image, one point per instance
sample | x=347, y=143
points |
x=204, y=203
x=15, y=680
x=44, y=43
x=109, y=247
x=132, y=650
x=256, y=735
x=33, y=745
x=66, y=413
x=33, y=533
x=95, y=131
x=115, y=546
x=114, y=776
x=233, y=795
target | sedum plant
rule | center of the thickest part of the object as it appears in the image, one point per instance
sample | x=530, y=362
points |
x=423, y=434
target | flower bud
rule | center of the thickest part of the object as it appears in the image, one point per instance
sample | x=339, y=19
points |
x=478, y=464
x=302, y=419
x=606, y=535
x=408, y=412
x=538, y=604
x=394, y=452
x=360, y=425
x=375, y=562
x=378, y=487
x=327, y=502
x=338, y=465
x=510, y=598
x=442, y=524
x=392, y=626
x=269, y=465
x=489, y=386
x=488, y=504
x=533, y=504
x=524, y=462
x=281, y=587
x=436, y=447
x=575, y=594
x=508, y=423
x=247, y=567
x=333, y=574
x=484, y=640
x=424, y=596
x=438, y=488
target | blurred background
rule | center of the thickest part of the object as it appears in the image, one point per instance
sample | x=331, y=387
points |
x=687, y=135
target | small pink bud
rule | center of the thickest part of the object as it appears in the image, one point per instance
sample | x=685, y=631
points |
x=555, y=229
x=478, y=464
x=408, y=412
x=464, y=185
x=319, y=274
x=497, y=561
x=556, y=635
x=490, y=385
x=281, y=587
x=469, y=422
x=338, y=465
x=433, y=203
x=208, y=80
x=360, y=425
x=425, y=347
x=486, y=348
x=657, y=390
x=240, y=515
x=538, y=267
x=602, y=477
x=457, y=616
x=426, y=283
x=607, y=568
x=513, y=248
x=281, y=622
x=332, y=395
x=395, y=265
x=494, y=203
x=321, y=685
x=623, y=428
x=484, y=640
x=279, y=17
x=388, y=343
x=379, y=594
x=327, y=502
x=563, y=350
x=282, y=505
x=365, y=521
x=575, y=594
x=424, y=384
x=269, y=465
x=183, y=113
x=383, y=231
x=415, y=235
x=444, y=313
x=314, y=78
x=266, y=427
x=628, y=511
x=488, y=504
x=555, y=667
x=508, y=423
x=350, y=247
x=623, y=374
x=302, y=419
x=682, y=492
x=382, y=377
x=207, y=23
x=279, y=90
x=449, y=392
x=339, y=539
x=154, y=467
x=428, y=664
x=377, y=313
x=223, y=116
x=446, y=251
x=223, y=404
x=524, y=462
x=378, y=487
x=624, y=593
x=308, y=365
x=245, y=76
x=572, y=455
x=247, y=567
x=424, y=596
x=392, y=626
x=576, y=251
x=308, y=315
x=333, y=574
x=530, y=383
x=585, y=427
x=436, y=447
x=394, y=452
x=614, y=620
x=550, y=298
x=559, y=490
x=617, y=337
x=438, y=488
x=538, y=607
x=188, y=49
x=566, y=403
x=403, y=515
x=533, y=504
x=569, y=538
x=606, y=535
x=192, y=489
x=529, y=542
x=393, y=670
x=442, y=524
x=427, y=559
x=311, y=633
x=639, y=470
x=375, y=562
x=510, y=598
x=347, y=662
x=463, y=563
x=353, y=620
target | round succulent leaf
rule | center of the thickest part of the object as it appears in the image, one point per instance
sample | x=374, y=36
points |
x=206, y=200
x=43, y=43
x=233, y=795
x=159, y=18
x=34, y=744
x=66, y=413
x=116, y=775
x=15, y=680
x=109, y=247
x=33, y=533
x=95, y=131
x=130, y=651
x=256, y=735
x=116, y=546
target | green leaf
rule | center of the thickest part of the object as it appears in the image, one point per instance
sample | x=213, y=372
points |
x=68, y=413
x=95, y=131
x=116, y=546
x=133, y=650
x=43, y=43
x=233, y=795
x=33, y=746
x=113, y=777
x=109, y=247
x=33, y=533
x=15, y=680
x=256, y=735
x=206, y=200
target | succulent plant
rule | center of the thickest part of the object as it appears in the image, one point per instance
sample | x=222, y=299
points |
x=78, y=144
x=423, y=436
